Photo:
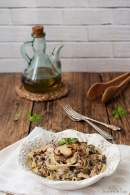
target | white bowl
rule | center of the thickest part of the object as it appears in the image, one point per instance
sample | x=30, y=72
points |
x=111, y=152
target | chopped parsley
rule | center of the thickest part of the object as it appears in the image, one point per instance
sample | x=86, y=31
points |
x=67, y=141
x=119, y=112
x=34, y=117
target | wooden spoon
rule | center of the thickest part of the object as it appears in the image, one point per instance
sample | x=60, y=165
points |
x=97, y=89
x=113, y=91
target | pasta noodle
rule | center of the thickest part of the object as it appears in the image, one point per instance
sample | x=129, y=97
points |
x=72, y=160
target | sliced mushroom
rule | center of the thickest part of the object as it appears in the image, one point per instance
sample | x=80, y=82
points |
x=57, y=151
x=75, y=161
x=64, y=150
x=74, y=146
x=72, y=160
x=60, y=159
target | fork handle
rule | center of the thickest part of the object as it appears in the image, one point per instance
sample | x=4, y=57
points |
x=112, y=127
x=100, y=131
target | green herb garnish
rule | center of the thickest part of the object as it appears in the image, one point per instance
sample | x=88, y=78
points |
x=35, y=117
x=67, y=141
x=119, y=112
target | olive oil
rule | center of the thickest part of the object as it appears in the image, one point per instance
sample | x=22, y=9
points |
x=44, y=81
x=43, y=73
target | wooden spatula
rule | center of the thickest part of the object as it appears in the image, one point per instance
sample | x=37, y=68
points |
x=97, y=89
x=114, y=91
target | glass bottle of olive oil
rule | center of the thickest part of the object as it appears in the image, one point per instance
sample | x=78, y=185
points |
x=43, y=73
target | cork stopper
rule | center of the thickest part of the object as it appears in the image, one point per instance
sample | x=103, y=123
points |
x=38, y=31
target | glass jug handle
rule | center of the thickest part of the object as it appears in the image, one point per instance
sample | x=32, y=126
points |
x=24, y=52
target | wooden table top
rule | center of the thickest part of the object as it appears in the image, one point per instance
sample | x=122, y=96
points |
x=54, y=117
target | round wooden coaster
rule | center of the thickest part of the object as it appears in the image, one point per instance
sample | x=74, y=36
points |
x=39, y=97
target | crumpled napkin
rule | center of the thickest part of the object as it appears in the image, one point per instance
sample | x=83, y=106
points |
x=15, y=180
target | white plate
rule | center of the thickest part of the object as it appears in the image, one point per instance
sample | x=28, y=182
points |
x=111, y=151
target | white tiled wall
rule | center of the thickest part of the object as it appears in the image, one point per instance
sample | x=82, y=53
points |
x=95, y=33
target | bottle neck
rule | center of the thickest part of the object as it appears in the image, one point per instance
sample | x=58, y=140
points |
x=39, y=44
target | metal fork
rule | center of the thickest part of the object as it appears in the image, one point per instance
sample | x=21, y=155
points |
x=73, y=115
x=112, y=127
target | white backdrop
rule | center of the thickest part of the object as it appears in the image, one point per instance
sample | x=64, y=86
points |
x=96, y=33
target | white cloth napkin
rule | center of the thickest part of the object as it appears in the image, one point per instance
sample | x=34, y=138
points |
x=14, y=179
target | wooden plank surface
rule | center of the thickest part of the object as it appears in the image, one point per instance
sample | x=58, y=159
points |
x=122, y=137
x=12, y=129
x=11, y=106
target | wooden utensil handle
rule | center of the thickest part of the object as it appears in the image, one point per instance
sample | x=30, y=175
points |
x=114, y=91
x=97, y=89
x=118, y=79
x=124, y=83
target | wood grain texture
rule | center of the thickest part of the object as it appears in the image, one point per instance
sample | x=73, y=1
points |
x=54, y=117
x=12, y=126
x=123, y=136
